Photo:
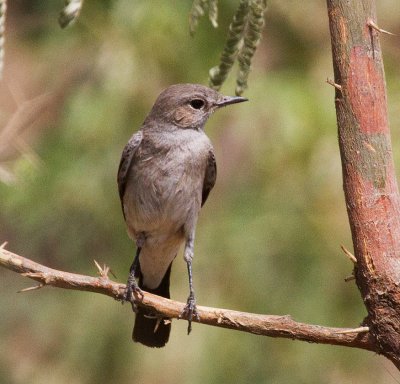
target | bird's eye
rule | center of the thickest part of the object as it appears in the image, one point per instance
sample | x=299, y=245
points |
x=197, y=103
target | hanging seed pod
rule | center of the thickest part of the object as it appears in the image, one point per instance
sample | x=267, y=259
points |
x=251, y=39
x=199, y=8
x=70, y=12
x=219, y=73
x=3, y=10
x=213, y=12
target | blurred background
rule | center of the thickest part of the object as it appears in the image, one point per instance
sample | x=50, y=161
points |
x=269, y=237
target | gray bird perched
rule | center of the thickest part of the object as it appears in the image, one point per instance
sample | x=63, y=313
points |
x=166, y=172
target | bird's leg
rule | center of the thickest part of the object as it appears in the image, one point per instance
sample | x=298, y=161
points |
x=190, y=310
x=132, y=287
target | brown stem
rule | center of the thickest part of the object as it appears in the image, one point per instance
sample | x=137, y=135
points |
x=266, y=325
x=371, y=192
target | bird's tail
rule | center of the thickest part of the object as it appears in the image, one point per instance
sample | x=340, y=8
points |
x=148, y=330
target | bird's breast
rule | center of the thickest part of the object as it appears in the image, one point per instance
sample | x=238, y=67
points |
x=165, y=183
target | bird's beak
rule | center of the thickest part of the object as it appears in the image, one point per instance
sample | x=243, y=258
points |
x=227, y=100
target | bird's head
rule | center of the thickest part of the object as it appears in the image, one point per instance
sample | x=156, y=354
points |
x=188, y=106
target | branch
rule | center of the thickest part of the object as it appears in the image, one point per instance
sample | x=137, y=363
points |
x=369, y=178
x=266, y=325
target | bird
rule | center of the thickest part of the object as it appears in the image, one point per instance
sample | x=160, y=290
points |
x=165, y=175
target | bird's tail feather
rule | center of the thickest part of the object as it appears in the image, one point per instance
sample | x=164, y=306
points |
x=148, y=330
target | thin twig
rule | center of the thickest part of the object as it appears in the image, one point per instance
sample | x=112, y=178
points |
x=266, y=325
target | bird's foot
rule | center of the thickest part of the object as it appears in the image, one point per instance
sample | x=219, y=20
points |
x=132, y=292
x=190, y=312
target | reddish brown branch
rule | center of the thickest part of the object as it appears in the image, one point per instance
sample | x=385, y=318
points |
x=371, y=192
x=266, y=325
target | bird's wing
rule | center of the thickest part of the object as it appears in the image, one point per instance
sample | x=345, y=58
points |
x=210, y=176
x=126, y=162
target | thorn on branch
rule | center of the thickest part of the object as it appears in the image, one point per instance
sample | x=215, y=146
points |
x=349, y=278
x=31, y=288
x=2, y=246
x=157, y=324
x=373, y=25
x=348, y=254
x=33, y=275
x=331, y=82
x=354, y=330
x=104, y=271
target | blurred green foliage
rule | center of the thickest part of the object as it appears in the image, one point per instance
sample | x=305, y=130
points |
x=269, y=236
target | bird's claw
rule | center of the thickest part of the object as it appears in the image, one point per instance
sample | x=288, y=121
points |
x=190, y=312
x=132, y=294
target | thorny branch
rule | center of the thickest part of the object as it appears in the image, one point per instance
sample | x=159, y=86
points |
x=266, y=325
